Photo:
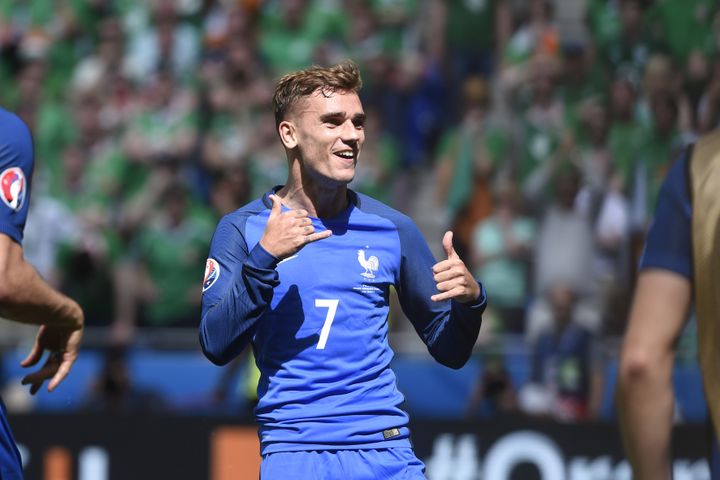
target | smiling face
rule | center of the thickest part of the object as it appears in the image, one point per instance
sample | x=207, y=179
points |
x=326, y=132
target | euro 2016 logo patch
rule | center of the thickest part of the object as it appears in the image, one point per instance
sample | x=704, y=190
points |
x=212, y=273
x=14, y=188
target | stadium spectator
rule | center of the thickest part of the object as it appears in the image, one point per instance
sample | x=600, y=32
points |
x=471, y=156
x=660, y=144
x=166, y=44
x=625, y=132
x=625, y=47
x=564, y=254
x=501, y=249
x=562, y=364
x=698, y=70
x=542, y=124
x=494, y=395
x=473, y=36
x=709, y=106
x=168, y=247
x=581, y=80
x=292, y=31
x=681, y=27
x=537, y=35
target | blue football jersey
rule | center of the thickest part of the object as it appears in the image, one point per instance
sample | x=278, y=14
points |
x=317, y=322
x=16, y=166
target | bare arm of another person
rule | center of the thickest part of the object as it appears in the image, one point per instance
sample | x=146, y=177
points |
x=645, y=394
x=26, y=298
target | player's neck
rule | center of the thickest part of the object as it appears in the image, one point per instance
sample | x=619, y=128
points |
x=318, y=201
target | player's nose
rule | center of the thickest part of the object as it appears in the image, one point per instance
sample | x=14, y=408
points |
x=350, y=133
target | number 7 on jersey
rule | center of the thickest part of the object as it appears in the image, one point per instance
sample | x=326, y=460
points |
x=331, y=305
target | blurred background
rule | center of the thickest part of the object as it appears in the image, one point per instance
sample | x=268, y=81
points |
x=539, y=131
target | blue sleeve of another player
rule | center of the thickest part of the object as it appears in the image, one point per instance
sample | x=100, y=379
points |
x=236, y=296
x=448, y=328
x=668, y=243
x=16, y=167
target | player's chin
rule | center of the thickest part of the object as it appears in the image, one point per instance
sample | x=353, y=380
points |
x=346, y=175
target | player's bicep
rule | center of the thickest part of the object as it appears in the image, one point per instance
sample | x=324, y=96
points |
x=659, y=310
x=415, y=282
x=10, y=255
x=16, y=166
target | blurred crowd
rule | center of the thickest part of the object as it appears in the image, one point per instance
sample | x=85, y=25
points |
x=539, y=131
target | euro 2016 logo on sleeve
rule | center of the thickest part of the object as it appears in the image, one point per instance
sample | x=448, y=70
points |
x=212, y=273
x=13, y=185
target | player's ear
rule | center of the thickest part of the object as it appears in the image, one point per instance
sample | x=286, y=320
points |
x=288, y=135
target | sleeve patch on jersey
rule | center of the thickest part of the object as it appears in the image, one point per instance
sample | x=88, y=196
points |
x=13, y=187
x=212, y=273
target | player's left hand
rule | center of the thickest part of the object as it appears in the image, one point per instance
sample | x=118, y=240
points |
x=63, y=344
x=453, y=278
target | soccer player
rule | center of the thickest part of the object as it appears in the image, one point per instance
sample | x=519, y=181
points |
x=679, y=260
x=24, y=296
x=304, y=273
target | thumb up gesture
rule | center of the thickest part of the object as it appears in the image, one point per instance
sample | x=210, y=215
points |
x=452, y=277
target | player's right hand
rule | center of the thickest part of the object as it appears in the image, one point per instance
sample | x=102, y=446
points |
x=287, y=232
x=63, y=343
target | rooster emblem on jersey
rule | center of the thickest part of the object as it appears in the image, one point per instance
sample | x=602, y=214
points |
x=369, y=264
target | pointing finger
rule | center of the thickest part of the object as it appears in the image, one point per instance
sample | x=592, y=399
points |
x=318, y=236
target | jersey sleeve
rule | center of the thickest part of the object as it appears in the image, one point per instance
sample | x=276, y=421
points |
x=668, y=243
x=448, y=328
x=16, y=168
x=237, y=288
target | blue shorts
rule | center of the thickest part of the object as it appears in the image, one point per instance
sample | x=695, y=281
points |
x=381, y=464
x=10, y=462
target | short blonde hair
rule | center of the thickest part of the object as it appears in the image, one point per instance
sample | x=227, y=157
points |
x=344, y=77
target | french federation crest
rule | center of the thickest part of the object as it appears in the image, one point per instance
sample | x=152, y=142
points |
x=212, y=273
x=13, y=187
x=370, y=264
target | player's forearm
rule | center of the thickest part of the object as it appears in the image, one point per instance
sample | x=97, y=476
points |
x=26, y=298
x=226, y=328
x=455, y=333
x=221, y=341
x=645, y=392
x=646, y=401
